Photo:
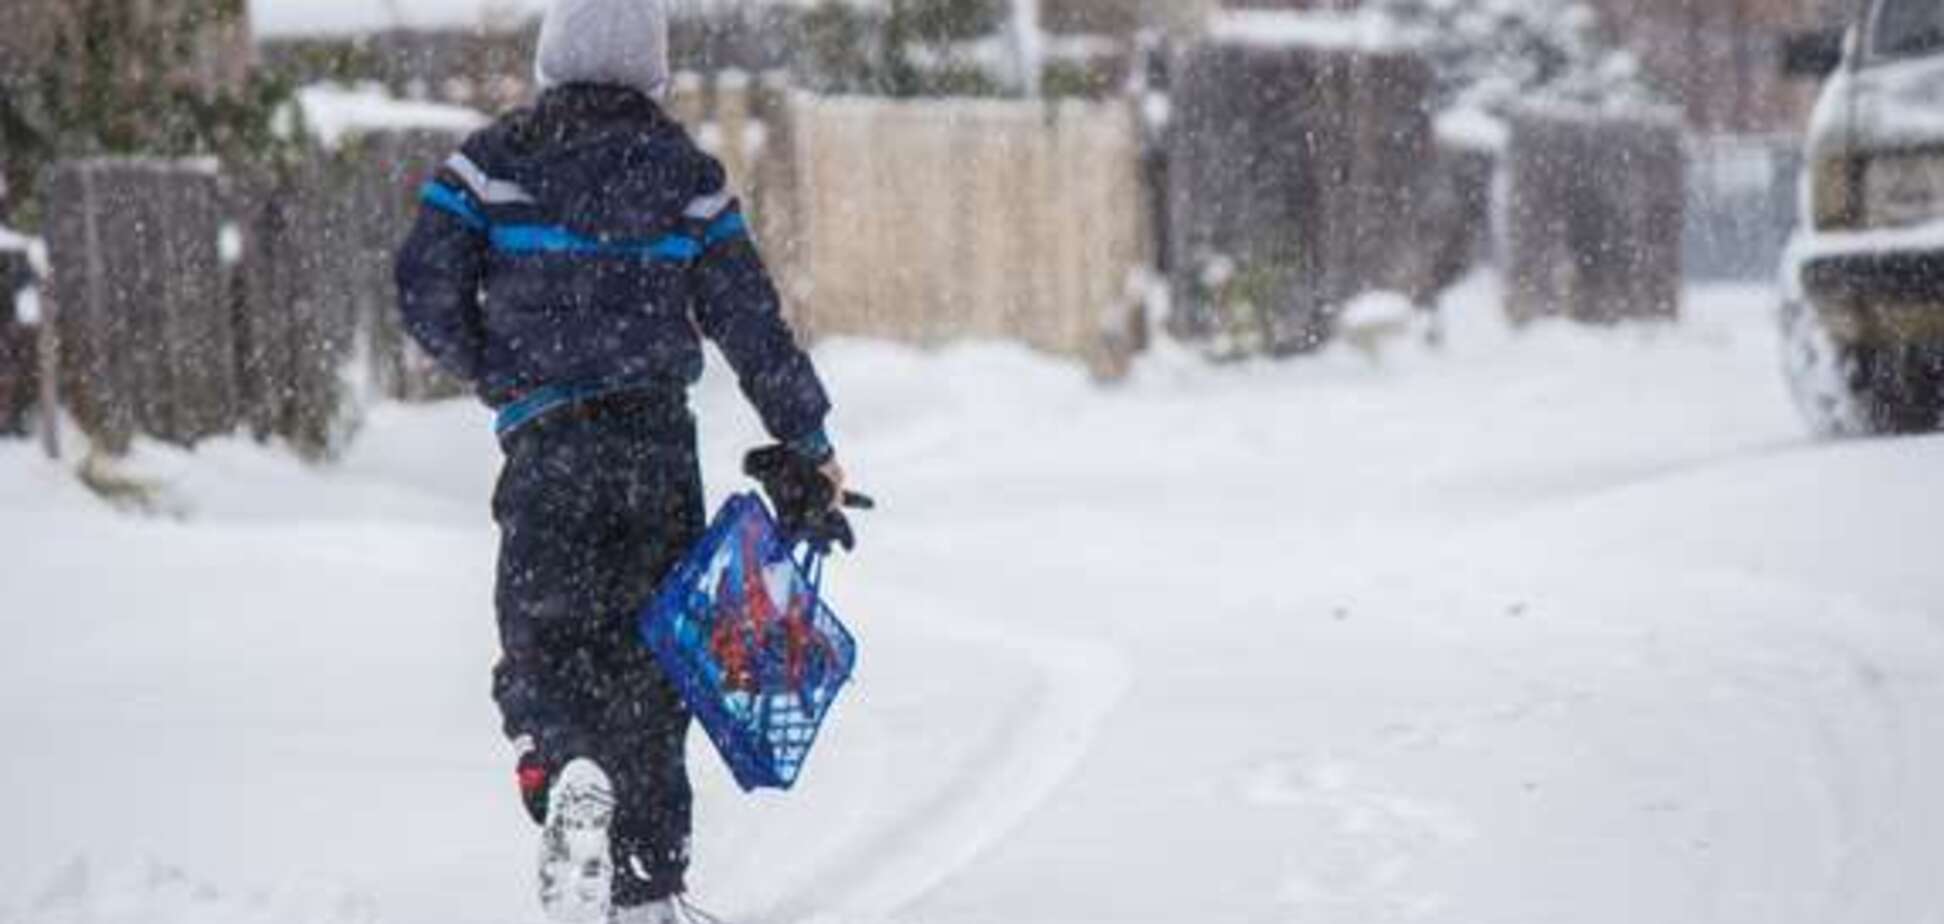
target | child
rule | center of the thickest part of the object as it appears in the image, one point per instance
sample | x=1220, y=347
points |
x=566, y=262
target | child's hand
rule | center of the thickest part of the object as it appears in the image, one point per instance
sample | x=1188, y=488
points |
x=833, y=472
x=807, y=495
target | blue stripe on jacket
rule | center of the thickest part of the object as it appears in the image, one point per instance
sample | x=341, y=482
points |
x=728, y=227
x=527, y=239
x=554, y=239
x=451, y=201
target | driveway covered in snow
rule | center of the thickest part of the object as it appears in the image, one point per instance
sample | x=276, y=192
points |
x=1568, y=626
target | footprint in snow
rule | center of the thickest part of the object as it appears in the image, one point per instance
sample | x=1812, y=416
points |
x=1353, y=844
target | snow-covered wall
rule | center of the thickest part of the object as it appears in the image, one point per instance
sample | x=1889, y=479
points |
x=333, y=113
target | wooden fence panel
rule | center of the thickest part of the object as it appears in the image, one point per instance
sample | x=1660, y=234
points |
x=381, y=177
x=90, y=382
x=1240, y=165
x=773, y=188
x=1596, y=215
x=1302, y=168
x=931, y=222
x=293, y=328
x=317, y=294
x=198, y=328
x=1456, y=236
x=148, y=341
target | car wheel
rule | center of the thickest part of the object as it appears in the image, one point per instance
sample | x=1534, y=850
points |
x=1903, y=388
x=1826, y=379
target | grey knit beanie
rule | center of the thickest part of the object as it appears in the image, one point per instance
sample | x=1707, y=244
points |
x=617, y=42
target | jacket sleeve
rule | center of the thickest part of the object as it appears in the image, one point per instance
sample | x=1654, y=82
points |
x=439, y=271
x=737, y=307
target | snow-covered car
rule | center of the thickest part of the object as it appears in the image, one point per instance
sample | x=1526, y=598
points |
x=1863, y=285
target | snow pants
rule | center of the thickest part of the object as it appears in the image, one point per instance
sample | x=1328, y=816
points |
x=595, y=504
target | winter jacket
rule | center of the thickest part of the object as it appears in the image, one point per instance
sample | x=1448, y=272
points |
x=583, y=247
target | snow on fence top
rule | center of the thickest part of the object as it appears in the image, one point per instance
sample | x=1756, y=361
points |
x=1362, y=30
x=12, y=241
x=298, y=18
x=1549, y=104
x=309, y=18
x=334, y=113
x=33, y=248
x=1472, y=129
x=150, y=163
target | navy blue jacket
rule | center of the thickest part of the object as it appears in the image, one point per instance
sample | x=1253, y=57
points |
x=583, y=246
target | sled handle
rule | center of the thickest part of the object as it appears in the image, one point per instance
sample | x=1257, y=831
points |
x=813, y=572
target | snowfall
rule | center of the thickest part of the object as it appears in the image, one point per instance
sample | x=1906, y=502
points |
x=1561, y=625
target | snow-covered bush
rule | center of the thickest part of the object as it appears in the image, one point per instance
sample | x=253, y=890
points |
x=914, y=48
x=1490, y=53
x=907, y=48
x=110, y=77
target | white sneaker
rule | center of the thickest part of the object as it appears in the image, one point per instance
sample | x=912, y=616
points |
x=661, y=912
x=576, y=869
x=667, y=911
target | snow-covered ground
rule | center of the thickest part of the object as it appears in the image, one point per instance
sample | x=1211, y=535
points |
x=1565, y=627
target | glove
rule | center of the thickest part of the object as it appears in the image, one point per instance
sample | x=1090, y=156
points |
x=536, y=777
x=804, y=497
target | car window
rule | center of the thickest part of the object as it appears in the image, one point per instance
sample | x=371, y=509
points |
x=1909, y=27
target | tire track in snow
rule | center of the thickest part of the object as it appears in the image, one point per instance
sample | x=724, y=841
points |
x=1082, y=682
x=1872, y=735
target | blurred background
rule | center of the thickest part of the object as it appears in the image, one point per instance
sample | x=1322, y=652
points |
x=1076, y=175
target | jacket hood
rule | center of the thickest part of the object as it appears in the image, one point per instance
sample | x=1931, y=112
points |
x=604, y=161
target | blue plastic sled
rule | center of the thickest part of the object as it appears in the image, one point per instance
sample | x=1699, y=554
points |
x=741, y=628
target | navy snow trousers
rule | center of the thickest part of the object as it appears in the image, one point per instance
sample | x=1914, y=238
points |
x=595, y=504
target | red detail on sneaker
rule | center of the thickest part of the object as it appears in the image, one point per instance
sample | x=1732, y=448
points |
x=533, y=778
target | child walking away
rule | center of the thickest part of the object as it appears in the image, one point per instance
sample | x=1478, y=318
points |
x=566, y=262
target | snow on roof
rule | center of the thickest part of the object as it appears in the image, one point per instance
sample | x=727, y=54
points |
x=156, y=163
x=1362, y=30
x=1472, y=129
x=335, y=112
x=1903, y=109
x=1546, y=103
x=300, y=18
x=309, y=18
x=12, y=241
